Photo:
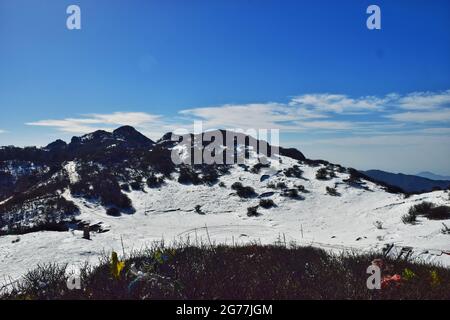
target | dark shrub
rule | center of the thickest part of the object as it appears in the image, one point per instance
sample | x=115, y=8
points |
x=266, y=203
x=301, y=188
x=257, y=167
x=252, y=211
x=281, y=185
x=430, y=211
x=188, y=175
x=136, y=185
x=125, y=187
x=79, y=189
x=113, y=211
x=108, y=190
x=294, y=171
x=222, y=184
x=110, y=194
x=246, y=192
x=236, y=186
x=355, y=175
x=322, y=174
x=421, y=208
x=210, y=175
x=243, y=192
x=341, y=169
x=439, y=213
x=154, y=181
x=291, y=193
x=409, y=219
x=332, y=191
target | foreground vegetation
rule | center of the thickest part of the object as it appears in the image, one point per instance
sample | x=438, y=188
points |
x=236, y=272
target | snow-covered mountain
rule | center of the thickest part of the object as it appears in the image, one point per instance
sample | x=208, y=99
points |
x=127, y=189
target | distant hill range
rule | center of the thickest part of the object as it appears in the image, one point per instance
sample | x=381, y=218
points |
x=432, y=176
x=410, y=183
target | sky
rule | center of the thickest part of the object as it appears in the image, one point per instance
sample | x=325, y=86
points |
x=312, y=69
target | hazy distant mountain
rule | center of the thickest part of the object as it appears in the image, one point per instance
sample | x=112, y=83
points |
x=432, y=176
x=408, y=183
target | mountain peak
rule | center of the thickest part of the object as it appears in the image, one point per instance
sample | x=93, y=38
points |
x=126, y=135
x=126, y=130
x=56, y=145
x=130, y=134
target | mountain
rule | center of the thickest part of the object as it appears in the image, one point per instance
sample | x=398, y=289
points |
x=129, y=191
x=432, y=176
x=408, y=183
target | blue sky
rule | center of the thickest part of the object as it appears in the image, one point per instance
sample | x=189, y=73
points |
x=336, y=90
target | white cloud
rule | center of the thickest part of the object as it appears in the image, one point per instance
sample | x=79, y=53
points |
x=324, y=111
x=436, y=130
x=309, y=113
x=432, y=115
x=424, y=100
x=264, y=116
x=91, y=122
x=329, y=125
x=151, y=125
x=337, y=103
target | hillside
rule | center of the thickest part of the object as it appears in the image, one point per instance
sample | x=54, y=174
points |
x=129, y=193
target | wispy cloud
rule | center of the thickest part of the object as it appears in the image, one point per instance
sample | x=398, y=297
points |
x=337, y=103
x=92, y=122
x=265, y=116
x=308, y=113
x=432, y=115
x=331, y=112
x=98, y=121
x=437, y=130
x=424, y=100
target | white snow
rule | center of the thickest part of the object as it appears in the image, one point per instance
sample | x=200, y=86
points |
x=71, y=169
x=334, y=223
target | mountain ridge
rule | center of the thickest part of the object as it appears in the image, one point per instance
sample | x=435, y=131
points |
x=130, y=194
x=408, y=183
x=105, y=166
x=432, y=176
